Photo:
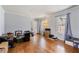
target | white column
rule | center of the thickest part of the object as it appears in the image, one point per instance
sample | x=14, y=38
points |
x=1, y=20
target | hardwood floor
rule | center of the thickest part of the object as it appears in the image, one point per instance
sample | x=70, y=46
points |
x=39, y=44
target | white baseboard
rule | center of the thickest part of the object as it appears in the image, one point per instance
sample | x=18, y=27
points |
x=69, y=43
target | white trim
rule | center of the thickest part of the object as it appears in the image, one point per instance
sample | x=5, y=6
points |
x=69, y=43
x=16, y=13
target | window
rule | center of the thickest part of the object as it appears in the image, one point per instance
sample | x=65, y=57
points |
x=60, y=24
x=45, y=23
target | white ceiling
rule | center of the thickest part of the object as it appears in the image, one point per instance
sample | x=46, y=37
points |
x=34, y=10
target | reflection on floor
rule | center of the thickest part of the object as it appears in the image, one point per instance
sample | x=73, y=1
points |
x=39, y=44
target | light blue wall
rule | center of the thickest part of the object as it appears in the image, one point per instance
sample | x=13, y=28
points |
x=16, y=22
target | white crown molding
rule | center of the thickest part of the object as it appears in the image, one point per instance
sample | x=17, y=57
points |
x=15, y=13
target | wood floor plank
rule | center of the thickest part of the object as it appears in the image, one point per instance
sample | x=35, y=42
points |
x=39, y=44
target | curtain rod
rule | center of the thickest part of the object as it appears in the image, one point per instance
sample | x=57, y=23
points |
x=62, y=14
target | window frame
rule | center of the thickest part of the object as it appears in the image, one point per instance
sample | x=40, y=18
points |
x=60, y=22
